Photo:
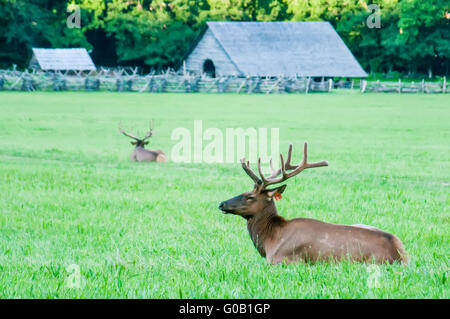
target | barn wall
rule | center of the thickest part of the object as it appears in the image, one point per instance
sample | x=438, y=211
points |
x=209, y=48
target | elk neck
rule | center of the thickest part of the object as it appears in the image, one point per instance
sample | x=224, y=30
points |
x=263, y=226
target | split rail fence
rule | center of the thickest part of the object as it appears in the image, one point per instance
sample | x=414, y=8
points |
x=129, y=80
x=406, y=87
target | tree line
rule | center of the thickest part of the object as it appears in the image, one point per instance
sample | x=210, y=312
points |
x=408, y=36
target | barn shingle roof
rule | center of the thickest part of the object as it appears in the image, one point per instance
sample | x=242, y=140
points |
x=286, y=48
x=62, y=59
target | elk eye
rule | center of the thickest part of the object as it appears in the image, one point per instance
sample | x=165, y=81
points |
x=250, y=198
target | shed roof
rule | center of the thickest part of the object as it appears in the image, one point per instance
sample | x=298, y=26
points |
x=63, y=59
x=286, y=48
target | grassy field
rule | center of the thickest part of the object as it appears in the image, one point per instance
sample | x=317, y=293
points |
x=70, y=198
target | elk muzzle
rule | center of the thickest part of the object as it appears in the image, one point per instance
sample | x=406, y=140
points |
x=232, y=205
x=224, y=208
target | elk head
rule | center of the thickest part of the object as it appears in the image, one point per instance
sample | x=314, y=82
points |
x=138, y=142
x=260, y=198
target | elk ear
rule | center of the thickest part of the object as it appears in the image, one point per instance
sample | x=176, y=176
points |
x=133, y=143
x=276, y=191
x=145, y=143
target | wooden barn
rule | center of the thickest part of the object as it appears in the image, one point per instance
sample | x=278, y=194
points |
x=61, y=60
x=305, y=49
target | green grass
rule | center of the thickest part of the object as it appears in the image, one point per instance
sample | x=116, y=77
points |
x=69, y=195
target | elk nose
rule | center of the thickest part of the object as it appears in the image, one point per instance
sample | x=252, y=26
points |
x=221, y=205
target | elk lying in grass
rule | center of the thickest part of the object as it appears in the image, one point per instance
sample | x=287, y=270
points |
x=140, y=154
x=281, y=240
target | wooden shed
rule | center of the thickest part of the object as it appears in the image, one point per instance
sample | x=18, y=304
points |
x=307, y=49
x=62, y=60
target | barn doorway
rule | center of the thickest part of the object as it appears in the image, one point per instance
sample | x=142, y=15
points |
x=209, y=69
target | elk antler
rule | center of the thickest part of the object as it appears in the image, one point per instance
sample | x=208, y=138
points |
x=148, y=135
x=150, y=132
x=263, y=182
x=125, y=133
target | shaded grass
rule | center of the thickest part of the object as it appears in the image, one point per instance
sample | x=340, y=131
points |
x=69, y=195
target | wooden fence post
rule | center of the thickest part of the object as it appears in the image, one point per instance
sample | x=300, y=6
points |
x=242, y=85
x=17, y=81
x=274, y=85
x=249, y=84
x=399, y=86
x=222, y=85
x=444, y=85
x=423, y=86
x=363, y=86
x=330, y=85
x=257, y=87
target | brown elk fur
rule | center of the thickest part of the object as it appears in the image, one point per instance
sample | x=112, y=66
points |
x=140, y=154
x=305, y=239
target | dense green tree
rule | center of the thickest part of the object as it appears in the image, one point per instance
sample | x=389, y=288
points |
x=36, y=23
x=148, y=35
x=362, y=39
x=413, y=35
x=424, y=33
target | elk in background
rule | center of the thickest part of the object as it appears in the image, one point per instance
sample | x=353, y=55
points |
x=304, y=239
x=140, y=154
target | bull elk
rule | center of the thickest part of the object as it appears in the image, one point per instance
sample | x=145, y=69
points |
x=140, y=154
x=304, y=239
